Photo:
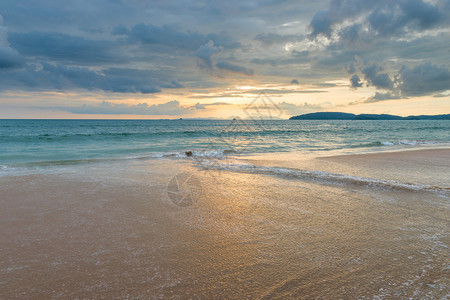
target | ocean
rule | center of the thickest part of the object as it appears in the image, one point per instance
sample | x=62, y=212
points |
x=47, y=142
x=224, y=209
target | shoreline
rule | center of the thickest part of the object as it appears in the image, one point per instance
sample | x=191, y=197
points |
x=428, y=167
x=393, y=152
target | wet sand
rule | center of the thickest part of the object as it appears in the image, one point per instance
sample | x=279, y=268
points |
x=427, y=167
x=114, y=231
x=422, y=166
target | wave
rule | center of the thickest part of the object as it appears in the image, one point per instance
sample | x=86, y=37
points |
x=400, y=143
x=325, y=177
x=90, y=136
x=413, y=142
x=213, y=153
x=192, y=154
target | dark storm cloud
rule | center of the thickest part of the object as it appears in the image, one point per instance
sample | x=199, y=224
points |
x=223, y=65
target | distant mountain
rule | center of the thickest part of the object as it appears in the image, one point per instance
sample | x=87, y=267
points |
x=377, y=117
x=425, y=117
x=325, y=116
x=347, y=116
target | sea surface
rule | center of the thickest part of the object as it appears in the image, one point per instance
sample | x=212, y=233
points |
x=47, y=142
x=235, y=209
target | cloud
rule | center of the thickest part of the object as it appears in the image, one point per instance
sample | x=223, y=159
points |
x=321, y=24
x=352, y=34
x=198, y=106
x=400, y=16
x=295, y=109
x=206, y=51
x=3, y=33
x=280, y=92
x=223, y=65
x=373, y=75
x=216, y=104
x=172, y=108
x=67, y=48
x=114, y=80
x=355, y=81
x=167, y=35
x=85, y=46
x=383, y=17
x=420, y=80
x=395, y=31
x=9, y=57
x=162, y=35
x=382, y=80
x=423, y=79
x=382, y=97
x=269, y=39
x=55, y=76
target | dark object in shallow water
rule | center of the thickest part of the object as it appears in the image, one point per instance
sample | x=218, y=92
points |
x=188, y=153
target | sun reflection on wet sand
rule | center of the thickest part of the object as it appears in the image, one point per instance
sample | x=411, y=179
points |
x=86, y=231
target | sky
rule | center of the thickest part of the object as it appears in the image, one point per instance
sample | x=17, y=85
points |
x=139, y=59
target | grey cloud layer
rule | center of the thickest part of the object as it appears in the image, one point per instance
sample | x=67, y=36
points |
x=223, y=65
x=171, y=36
x=399, y=47
x=65, y=48
x=59, y=77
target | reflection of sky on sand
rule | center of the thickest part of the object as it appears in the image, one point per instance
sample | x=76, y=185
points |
x=421, y=167
x=114, y=231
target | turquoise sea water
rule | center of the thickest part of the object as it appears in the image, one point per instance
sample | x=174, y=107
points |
x=31, y=142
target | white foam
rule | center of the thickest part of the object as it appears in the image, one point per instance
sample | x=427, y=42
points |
x=412, y=142
x=334, y=178
x=183, y=154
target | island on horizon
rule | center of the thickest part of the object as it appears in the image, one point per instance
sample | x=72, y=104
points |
x=349, y=116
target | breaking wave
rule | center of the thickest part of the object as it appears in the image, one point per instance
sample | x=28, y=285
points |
x=400, y=143
x=326, y=177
